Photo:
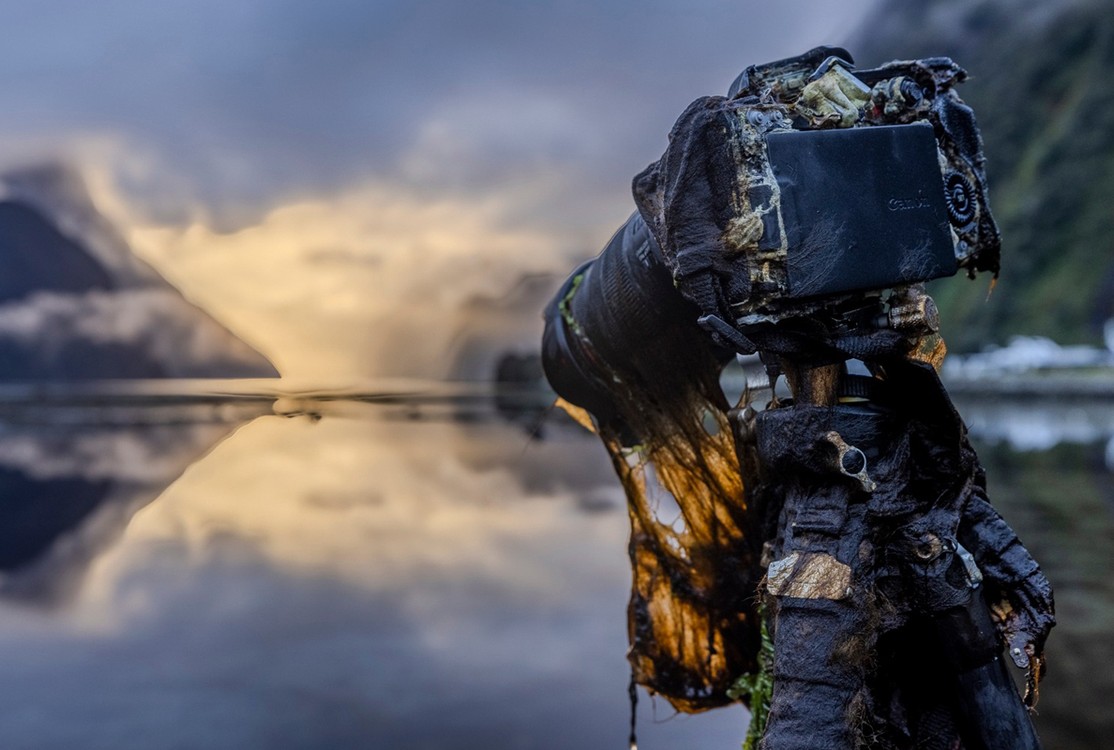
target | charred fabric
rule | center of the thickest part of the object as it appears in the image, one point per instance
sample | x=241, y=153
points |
x=798, y=218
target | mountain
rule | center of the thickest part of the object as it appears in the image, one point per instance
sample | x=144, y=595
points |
x=1041, y=88
x=77, y=304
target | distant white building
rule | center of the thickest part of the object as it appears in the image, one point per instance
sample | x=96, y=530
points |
x=1028, y=353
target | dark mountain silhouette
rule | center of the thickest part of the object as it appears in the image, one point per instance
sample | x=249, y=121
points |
x=37, y=257
x=77, y=304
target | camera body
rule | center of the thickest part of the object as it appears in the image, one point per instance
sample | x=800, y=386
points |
x=835, y=187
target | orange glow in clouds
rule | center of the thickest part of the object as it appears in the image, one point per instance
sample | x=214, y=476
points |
x=327, y=288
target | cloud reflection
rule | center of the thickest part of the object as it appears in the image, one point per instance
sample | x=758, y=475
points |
x=68, y=490
x=340, y=583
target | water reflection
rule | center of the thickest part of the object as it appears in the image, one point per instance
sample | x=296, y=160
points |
x=347, y=581
x=383, y=575
x=1039, y=425
x=68, y=491
x=1049, y=473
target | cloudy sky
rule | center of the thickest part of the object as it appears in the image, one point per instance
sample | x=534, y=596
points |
x=333, y=178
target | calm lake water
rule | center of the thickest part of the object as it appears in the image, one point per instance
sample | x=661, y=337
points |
x=401, y=572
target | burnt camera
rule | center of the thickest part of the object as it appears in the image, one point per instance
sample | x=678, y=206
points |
x=808, y=205
x=828, y=184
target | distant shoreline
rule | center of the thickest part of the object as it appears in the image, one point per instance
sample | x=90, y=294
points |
x=1043, y=384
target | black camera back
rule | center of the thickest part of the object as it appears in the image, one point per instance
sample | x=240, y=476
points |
x=861, y=209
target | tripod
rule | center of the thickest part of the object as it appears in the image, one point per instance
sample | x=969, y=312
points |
x=882, y=631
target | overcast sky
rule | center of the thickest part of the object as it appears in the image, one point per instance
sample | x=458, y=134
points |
x=305, y=169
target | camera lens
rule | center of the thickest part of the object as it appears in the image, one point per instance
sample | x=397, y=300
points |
x=959, y=196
